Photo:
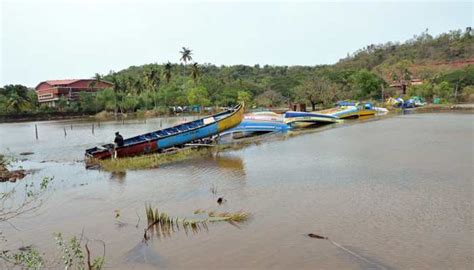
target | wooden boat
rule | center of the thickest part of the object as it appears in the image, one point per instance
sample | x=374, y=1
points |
x=264, y=116
x=366, y=109
x=173, y=136
x=344, y=112
x=306, y=119
x=250, y=128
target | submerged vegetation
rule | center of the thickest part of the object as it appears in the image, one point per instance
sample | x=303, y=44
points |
x=157, y=159
x=151, y=161
x=161, y=224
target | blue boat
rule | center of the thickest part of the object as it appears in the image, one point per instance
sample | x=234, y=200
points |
x=159, y=140
x=250, y=128
x=305, y=119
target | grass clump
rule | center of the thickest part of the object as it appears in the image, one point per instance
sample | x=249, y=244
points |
x=153, y=160
x=162, y=224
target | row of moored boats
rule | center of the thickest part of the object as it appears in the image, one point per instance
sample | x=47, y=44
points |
x=233, y=124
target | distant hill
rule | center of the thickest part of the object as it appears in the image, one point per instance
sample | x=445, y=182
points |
x=420, y=55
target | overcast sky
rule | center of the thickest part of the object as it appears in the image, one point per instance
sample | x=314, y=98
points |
x=60, y=39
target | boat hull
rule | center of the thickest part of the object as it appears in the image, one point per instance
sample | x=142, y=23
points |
x=306, y=119
x=249, y=128
x=147, y=146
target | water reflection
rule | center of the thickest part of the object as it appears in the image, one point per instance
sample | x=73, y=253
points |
x=230, y=162
x=119, y=176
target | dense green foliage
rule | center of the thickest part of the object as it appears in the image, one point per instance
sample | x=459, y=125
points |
x=360, y=76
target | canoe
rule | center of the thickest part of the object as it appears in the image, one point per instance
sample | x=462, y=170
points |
x=173, y=136
x=305, y=119
x=250, y=128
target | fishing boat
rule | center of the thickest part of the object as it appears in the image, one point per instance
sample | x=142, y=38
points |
x=181, y=134
x=306, y=119
x=264, y=116
x=356, y=111
x=250, y=128
x=366, y=109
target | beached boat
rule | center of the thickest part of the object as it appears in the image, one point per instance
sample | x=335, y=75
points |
x=173, y=136
x=250, y=128
x=264, y=116
x=344, y=112
x=306, y=119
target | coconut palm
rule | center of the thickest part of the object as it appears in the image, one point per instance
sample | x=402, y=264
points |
x=195, y=71
x=167, y=73
x=185, y=57
x=153, y=78
x=97, y=80
x=17, y=98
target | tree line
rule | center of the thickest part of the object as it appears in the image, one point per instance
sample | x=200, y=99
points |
x=360, y=76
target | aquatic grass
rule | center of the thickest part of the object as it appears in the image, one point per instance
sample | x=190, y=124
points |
x=161, y=224
x=227, y=216
x=151, y=161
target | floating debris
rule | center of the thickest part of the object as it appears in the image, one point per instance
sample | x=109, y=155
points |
x=12, y=176
x=26, y=153
x=312, y=235
x=221, y=200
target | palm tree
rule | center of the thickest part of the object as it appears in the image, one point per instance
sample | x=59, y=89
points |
x=153, y=82
x=185, y=57
x=168, y=72
x=17, y=98
x=118, y=88
x=153, y=78
x=97, y=80
x=195, y=71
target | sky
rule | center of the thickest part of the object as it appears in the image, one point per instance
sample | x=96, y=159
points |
x=66, y=39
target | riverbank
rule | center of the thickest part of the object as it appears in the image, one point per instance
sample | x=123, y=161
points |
x=110, y=116
x=463, y=107
x=101, y=116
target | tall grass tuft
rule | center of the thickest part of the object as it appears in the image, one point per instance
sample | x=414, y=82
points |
x=161, y=224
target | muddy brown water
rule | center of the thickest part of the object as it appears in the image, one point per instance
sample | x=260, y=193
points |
x=394, y=193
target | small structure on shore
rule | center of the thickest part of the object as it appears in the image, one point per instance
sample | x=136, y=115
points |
x=49, y=92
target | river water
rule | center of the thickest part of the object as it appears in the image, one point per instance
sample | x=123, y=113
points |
x=393, y=193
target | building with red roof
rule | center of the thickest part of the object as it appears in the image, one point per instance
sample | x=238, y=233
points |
x=49, y=92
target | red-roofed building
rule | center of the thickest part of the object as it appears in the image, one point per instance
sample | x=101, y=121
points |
x=50, y=91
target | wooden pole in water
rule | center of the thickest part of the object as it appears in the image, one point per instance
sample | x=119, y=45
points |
x=92, y=128
x=161, y=123
x=36, y=131
x=65, y=134
x=71, y=126
x=98, y=123
x=382, y=93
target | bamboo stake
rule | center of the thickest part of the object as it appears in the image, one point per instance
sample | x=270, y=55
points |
x=65, y=134
x=92, y=128
x=36, y=131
